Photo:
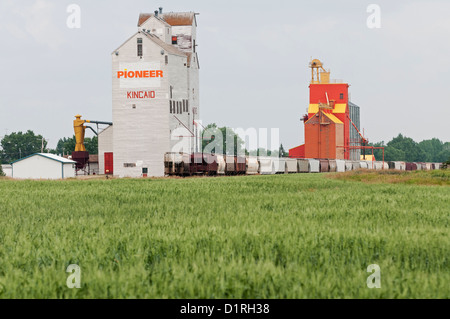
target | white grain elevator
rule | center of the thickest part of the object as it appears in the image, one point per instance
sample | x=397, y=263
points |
x=155, y=96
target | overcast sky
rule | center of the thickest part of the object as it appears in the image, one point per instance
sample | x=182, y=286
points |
x=253, y=56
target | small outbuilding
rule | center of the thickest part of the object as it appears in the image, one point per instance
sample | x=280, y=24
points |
x=43, y=166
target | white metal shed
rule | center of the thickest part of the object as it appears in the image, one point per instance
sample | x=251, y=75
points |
x=43, y=166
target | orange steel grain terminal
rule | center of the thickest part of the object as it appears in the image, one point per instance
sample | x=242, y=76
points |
x=328, y=124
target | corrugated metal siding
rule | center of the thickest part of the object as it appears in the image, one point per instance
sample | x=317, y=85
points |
x=354, y=136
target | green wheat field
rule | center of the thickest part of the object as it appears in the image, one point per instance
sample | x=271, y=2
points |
x=284, y=236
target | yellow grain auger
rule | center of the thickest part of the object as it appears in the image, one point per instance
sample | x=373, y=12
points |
x=80, y=155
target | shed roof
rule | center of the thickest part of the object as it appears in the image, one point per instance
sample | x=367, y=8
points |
x=49, y=156
x=169, y=48
x=332, y=117
x=143, y=17
x=171, y=18
x=93, y=158
x=179, y=18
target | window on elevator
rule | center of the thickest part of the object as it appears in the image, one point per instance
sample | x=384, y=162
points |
x=139, y=47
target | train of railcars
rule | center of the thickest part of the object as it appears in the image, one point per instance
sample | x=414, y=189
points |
x=182, y=164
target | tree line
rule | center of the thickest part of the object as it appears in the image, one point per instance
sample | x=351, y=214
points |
x=18, y=145
x=401, y=148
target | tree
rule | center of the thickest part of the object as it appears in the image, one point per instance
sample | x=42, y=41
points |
x=260, y=152
x=1, y=171
x=444, y=154
x=232, y=144
x=378, y=153
x=19, y=145
x=282, y=152
x=446, y=164
x=66, y=145
x=431, y=149
x=393, y=154
x=411, y=149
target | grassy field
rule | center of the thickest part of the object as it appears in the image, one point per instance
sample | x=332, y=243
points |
x=436, y=177
x=286, y=236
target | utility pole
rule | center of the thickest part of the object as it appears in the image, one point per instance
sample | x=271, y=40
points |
x=42, y=145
